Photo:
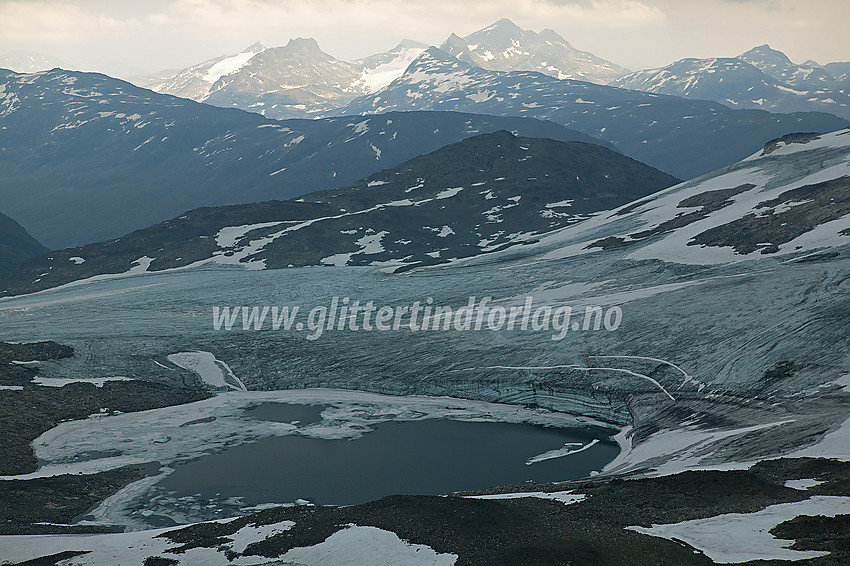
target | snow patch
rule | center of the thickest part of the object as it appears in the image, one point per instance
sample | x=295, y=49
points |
x=743, y=537
x=227, y=66
x=565, y=497
x=208, y=368
x=355, y=546
x=63, y=381
x=448, y=193
x=227, y=237
x=803, y=484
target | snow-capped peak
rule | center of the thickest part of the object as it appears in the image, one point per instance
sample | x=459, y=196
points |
x=504, y=46
x=255, y=48
x=775, y=63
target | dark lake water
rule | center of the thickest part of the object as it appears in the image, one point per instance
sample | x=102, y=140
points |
x=422, y=457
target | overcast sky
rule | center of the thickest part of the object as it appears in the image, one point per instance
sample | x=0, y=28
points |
x=157, y=34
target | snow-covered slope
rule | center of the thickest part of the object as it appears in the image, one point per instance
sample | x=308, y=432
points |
x=504, y=46
x=683, y=137
x=739, y=84
x=197, y=81
x=382, y=69
x=293, y=81
x=791, y=198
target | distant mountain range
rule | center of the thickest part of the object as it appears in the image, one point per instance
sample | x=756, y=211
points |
x=761, y=78
x=86, y=157
x=16, y=246
x=300, y=80
x=22, y=61
x=504, y=46
x=839, y=70
x=478, y=195
x=808, y=76
x=294, y=81
x=685, y=138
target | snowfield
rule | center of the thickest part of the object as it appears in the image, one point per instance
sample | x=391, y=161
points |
x=742, y=537
x=351, y=546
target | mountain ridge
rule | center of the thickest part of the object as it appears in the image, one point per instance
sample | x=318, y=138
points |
x=87, y=158
x=683, y=137
x=504, y=46
x=484, y=193
x=761, y=78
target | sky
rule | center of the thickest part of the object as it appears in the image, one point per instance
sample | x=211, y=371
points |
x=136, y=37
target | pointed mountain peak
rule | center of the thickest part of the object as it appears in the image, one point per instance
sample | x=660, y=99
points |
x=499, y=32
x=304, y=44
x=454, y=44
x=437, y=54
x=765, y=53
x=255, y=48
x=411, y=44
x=457, y=47
x=499, y=35
x=435, y=59
x=503, y=24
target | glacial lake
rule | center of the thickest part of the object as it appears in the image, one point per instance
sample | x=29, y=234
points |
x=426, y=457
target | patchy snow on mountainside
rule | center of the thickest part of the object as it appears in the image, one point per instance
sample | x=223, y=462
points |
x=739, y=84
x=790, y=198
x=504, y=46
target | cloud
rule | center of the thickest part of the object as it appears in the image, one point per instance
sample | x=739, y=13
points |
x=156, y=34
x=771, y=5
x=62, y=21
x=190, y=30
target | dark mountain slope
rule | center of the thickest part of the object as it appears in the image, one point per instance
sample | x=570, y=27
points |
x=16, y=246
x=478, y=195
x=86, y=157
